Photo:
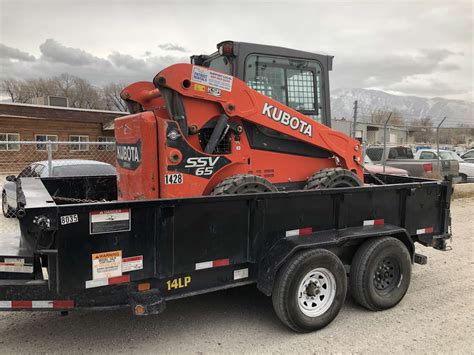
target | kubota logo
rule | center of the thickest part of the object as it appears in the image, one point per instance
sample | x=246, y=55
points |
x=286, y=119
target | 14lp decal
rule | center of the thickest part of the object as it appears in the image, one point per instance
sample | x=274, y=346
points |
x=204, y=165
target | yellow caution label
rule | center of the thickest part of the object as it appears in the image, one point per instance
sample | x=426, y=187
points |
x=198, y=87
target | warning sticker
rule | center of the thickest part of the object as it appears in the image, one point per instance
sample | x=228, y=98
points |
x=241, y=274
x=212, y=78
x=15, y=265
x=106, y=265
x=132, y=263
x=110, y=221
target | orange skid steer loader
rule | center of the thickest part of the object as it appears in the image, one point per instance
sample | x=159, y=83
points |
x=246, y=119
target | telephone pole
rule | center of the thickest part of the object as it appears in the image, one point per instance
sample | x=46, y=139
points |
x=354, y=123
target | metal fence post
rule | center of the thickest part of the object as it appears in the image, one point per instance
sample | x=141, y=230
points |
x=437, y=140
x=384, y=159
x=49, y=148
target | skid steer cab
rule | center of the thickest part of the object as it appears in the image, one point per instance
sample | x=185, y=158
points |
x=246, y=119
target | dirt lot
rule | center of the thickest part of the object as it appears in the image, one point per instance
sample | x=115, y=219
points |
x=435, y=316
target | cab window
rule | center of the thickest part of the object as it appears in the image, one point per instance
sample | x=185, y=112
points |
x=219, y=63
x=293, y=82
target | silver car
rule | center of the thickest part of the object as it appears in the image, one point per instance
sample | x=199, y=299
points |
x=59, y=168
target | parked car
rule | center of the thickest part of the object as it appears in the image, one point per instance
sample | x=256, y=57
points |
x=59, y=168
x=403, y=158
x=468, y=157
x=378, y=169
x=466, y=170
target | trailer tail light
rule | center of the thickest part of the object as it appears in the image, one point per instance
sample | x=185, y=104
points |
x=428, y=167
x=144, y=286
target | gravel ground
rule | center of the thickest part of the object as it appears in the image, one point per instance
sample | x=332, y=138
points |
x=435, y=316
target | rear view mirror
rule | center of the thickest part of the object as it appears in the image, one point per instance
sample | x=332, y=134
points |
x=11, y=178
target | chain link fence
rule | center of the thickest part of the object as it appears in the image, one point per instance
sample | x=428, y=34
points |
x=45, y=159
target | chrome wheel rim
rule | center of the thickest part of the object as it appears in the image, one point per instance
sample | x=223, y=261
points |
x=316, y=292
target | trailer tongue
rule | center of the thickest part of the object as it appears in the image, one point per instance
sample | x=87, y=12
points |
x=141, y=254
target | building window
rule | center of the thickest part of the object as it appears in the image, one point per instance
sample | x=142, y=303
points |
x=7, y=139
x=46, y=138
x=109, y=146
x=79, y=147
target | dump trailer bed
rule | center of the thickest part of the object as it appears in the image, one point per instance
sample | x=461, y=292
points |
x=74, y=253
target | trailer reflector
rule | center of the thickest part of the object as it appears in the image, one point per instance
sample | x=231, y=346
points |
x=299, y=232
x=108, y=282
x=424, y=230
x=210, y=264
x=38, y=304
x=374, y=222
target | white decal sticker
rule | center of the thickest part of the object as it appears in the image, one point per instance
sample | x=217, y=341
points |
x=173, y=179
x=106, y=265
x=15, y=265
x=286, y=119
x=241, y=274
x=212, y=78
x=214, y=92
x=132, y=263
x=72, y=218
x=203, y=165
x=110, y=221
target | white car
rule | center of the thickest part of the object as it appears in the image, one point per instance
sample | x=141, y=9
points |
x=468, y=156
x=59, y=168
x=466, y=169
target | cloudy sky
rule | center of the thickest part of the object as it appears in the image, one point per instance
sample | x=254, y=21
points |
x=421, y=48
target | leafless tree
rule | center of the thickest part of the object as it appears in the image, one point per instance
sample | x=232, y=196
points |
x=113, y=101
x=380, y=116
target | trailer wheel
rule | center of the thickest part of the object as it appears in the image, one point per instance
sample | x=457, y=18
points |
x=8, y=212
x=380, y=273
x=310, y=290
x=243, y=184
x=331, y=178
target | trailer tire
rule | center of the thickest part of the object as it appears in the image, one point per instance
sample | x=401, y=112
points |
x=8, y=212
x=332, y=178
x=243, y=184
x=317, y=271
x=380, y=273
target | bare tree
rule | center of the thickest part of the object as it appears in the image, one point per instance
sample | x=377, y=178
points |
x=423, y=130
x=80, y=92
x=113, y=101
x=380, y=116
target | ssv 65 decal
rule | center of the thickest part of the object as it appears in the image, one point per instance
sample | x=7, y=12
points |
x=286, y=119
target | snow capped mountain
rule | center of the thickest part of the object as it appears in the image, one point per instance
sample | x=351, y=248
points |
x=409, y=107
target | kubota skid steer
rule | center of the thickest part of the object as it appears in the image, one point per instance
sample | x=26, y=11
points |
x=200, y=130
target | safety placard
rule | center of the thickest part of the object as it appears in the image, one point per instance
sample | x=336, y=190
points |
x=132, y=263
x=106, y=265
x=15, y=265
x=110, y=221
x=212, y=78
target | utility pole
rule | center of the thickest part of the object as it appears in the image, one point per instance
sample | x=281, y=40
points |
x=384, y=158
x=354, y=123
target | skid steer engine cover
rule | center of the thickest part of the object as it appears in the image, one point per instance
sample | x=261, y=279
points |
x=136, y=138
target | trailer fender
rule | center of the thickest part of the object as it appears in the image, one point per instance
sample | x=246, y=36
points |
x=285, y=248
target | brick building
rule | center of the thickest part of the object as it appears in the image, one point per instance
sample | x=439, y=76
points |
x=39, y=124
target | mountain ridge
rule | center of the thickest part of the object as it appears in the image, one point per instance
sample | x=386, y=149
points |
x=409, y=107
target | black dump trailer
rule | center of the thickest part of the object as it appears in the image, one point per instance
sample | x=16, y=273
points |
x=79, y=248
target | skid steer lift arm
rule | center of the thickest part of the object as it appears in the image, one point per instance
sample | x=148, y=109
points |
x=241, y=101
